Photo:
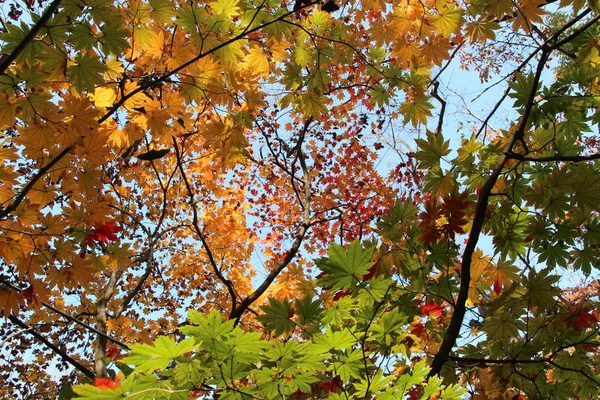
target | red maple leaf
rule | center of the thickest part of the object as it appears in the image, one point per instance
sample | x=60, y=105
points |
x=418, y=329
x=371, y=274
x=431, y=309
x=413, y=394
x=334, y=385
x=428, y=223
x=106, y=383
x=497, y=286
x=103, y=233
x=31, y=297
x=584, y=319
x=454, y=208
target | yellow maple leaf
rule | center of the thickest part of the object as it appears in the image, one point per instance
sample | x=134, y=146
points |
x=436, y=50
x=225, y=8
x=79, y=273
x=448, y=21
x=8, y=109
x=479, y=264
x=155, y=48
x=530, y=12
x=257, y=62
x=156, y=117
x=89, y=180
x=104, y=97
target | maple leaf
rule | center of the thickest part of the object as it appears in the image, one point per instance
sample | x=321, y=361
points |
x=583, y=318
x=104, y=233
x=106, y=383
x=454, y=208
x=431, y=309
x=428, y=223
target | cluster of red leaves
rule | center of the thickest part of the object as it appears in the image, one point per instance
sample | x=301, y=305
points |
x=453, y=208
x=584, y=318
x=103, y=233
x=107, y=383
x=579, y=317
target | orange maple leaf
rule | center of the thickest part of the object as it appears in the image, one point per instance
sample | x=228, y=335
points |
x=106, y=383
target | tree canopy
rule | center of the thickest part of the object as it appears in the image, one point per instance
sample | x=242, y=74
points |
x=258, y=199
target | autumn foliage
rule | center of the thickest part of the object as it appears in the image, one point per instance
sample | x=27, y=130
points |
x=270, y=199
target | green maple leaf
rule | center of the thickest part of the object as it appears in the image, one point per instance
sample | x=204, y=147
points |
x=162, y=10
x=416, y=112
x=432, y=150
x=148, y=358
x=82, y=37
x=86, y=73
x=225, y=8
x=373, y=385
x=500, y=326
x=211, y=327
x=246, y=342
x=379, y=95
x=343, y=268
x=308, y=311
x=586, y=186
x=468, y=148
x=340, y=312
x=333, y=340
x=541, y=289
x=350, y=364
x=190, y=16
x=279, y=351
x=453, y=392
x=276, y=316
x=113, y=38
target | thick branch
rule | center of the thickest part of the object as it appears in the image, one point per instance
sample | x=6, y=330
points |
x=65, y=357
x=30, y=35
x=460, y=309
x=100, y=351
x=556, y=158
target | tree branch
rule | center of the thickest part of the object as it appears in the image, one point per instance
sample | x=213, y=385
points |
x=196, y=225
x=559, y=158
x=100, y=351
x=70, y=318
x=65, y=357
x=295, y=247
x=460, y=309
x=30, y=35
